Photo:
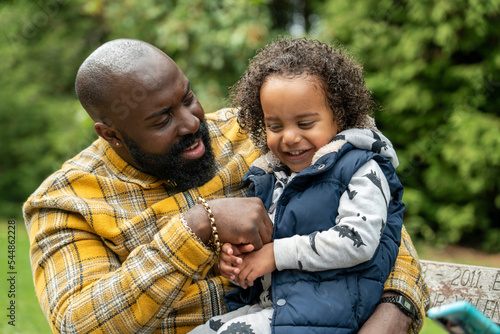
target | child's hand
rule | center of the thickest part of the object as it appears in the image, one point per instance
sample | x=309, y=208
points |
x=256, y=264
x=228, y=261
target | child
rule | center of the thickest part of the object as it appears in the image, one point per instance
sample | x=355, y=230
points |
x=328, y=181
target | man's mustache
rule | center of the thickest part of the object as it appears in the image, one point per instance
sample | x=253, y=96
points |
x=188, y=140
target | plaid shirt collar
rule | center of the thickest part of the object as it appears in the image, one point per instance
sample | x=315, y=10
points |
x=123, y=170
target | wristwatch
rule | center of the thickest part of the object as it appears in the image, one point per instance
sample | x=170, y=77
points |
x=404, y=304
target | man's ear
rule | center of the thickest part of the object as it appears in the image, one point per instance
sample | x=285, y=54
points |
x=108, y=133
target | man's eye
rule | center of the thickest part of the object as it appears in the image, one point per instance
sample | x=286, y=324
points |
x=189, y=100
x=164, y=122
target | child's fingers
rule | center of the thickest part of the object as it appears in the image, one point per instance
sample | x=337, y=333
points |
x=241, y=282
x=229, y=255
x=227, y=268
x=245, y=277
x=246, y=248
x=252, y=276
x=227, y=248
x=230, y=259
x=229, y=276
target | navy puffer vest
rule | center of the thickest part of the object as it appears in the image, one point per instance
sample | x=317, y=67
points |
x=333, y=301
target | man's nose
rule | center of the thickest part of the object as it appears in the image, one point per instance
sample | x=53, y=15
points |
x=188, y=123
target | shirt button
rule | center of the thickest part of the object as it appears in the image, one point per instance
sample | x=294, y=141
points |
x=321, y=166
x=281, y=302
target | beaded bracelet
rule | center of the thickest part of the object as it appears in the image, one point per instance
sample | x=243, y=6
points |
x=215, y=243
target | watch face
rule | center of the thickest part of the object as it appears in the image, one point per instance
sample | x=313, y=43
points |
x=407, y=304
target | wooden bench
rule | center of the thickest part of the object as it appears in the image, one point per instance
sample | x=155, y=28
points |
x=451, y=282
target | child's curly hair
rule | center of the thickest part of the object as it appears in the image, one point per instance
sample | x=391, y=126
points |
x=340, y=75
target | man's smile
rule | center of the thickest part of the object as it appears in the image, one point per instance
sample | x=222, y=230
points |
x=194, y=151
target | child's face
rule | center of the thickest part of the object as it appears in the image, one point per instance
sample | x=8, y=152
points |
x=297, y=117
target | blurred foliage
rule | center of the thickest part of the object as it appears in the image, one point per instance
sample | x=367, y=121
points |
x=209, y=40
x=434, y=67
x=41, y=123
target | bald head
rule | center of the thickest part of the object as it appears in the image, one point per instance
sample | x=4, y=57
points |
x=105, y=70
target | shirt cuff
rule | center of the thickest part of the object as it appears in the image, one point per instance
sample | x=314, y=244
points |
x=183, y=250
x=285, y=253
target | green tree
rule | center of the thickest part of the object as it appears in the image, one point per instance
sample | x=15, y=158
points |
x=44, y=43
x=39, y=117
x=211, y=41
x=435, y=69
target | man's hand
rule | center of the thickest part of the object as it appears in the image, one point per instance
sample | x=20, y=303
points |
x=387, y=318
x=240, y=221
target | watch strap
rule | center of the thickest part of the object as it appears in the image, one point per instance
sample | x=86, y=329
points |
x=404, y=304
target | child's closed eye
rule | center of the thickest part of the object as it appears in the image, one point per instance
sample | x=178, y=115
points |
x=306, y=124
x=274, y=127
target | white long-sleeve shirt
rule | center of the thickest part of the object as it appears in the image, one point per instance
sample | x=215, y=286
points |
x=362, y=208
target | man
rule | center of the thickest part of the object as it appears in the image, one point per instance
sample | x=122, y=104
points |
x=110, y=250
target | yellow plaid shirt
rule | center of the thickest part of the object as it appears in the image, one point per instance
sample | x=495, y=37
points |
x=110, y=255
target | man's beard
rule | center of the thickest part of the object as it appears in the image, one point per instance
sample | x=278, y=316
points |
x=169, y=166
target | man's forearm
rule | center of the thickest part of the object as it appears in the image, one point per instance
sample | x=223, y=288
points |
x=95, y=291
x=387, y=318
x=406, y=279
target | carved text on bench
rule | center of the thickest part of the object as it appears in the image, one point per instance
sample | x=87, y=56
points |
x=449, y=282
